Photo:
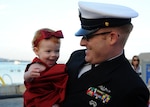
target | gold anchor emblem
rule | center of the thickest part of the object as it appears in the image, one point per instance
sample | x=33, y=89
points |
x=106, y=23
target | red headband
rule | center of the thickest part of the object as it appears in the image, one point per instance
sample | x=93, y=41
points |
x=47, y=35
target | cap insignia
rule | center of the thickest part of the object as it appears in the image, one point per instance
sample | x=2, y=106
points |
x=106, y=23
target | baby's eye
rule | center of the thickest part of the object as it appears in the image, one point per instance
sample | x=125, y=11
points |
x=48, y=51
x=56, y=50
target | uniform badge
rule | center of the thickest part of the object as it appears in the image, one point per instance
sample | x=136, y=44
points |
x=103, y=88
x=93, y=103
x=98, y=94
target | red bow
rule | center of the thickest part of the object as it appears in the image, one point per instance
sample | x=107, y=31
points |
x=47, y=35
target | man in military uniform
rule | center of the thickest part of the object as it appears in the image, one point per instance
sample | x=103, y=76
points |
x=100, y=75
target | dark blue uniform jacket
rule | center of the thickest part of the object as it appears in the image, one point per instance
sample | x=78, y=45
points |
x=111, y=84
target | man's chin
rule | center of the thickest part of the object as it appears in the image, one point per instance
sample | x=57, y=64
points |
x=87, y=59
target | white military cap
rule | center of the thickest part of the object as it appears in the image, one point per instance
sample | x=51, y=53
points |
x=94, y=16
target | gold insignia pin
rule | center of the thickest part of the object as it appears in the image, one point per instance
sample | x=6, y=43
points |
x=106, y=23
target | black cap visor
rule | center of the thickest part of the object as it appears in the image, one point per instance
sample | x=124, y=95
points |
x=85, y=32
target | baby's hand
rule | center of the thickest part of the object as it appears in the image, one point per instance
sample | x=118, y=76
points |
x=34, y=71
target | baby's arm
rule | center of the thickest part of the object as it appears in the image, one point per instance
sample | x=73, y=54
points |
x=33, y=71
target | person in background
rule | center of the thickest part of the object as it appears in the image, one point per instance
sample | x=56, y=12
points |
x=135, y=63
x=101, y=75
x=46, y=81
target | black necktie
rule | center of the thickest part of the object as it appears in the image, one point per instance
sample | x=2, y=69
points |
x=93, y=66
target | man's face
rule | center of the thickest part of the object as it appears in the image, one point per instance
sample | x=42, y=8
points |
x=96, y=47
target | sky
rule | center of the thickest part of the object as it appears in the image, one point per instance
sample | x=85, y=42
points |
x=20, y=19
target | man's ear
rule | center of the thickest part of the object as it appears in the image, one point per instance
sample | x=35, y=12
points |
x=113, y=38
